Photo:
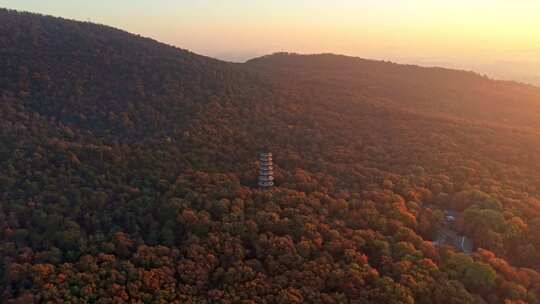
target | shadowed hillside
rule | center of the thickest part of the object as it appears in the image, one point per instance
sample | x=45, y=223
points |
x=128, y=171
x=108, y=81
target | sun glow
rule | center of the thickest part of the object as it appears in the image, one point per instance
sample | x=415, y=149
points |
x=467, y=34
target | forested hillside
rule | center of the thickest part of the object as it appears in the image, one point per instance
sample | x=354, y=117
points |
x=435, y=91
x=128, y=171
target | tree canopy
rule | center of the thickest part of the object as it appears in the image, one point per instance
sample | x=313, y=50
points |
x=128, y=174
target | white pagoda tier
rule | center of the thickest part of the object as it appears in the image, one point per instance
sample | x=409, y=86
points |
x=266, y=170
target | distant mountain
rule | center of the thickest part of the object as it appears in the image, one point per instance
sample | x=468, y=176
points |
x=128, y=173
x=440, y=91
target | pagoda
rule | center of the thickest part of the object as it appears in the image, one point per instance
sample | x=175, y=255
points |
x=266, y=170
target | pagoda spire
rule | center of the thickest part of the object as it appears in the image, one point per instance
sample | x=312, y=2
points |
x=266, y=170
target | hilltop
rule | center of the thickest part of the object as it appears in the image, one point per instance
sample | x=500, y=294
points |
x=436, y=91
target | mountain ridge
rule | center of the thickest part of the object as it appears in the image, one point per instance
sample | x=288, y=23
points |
x=430, y=90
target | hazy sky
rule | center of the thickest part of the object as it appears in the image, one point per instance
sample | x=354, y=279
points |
x=497, y=37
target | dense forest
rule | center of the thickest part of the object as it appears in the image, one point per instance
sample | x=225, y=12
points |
x=128, y=174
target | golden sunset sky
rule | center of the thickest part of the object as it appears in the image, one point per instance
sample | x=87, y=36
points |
x=500, y=38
